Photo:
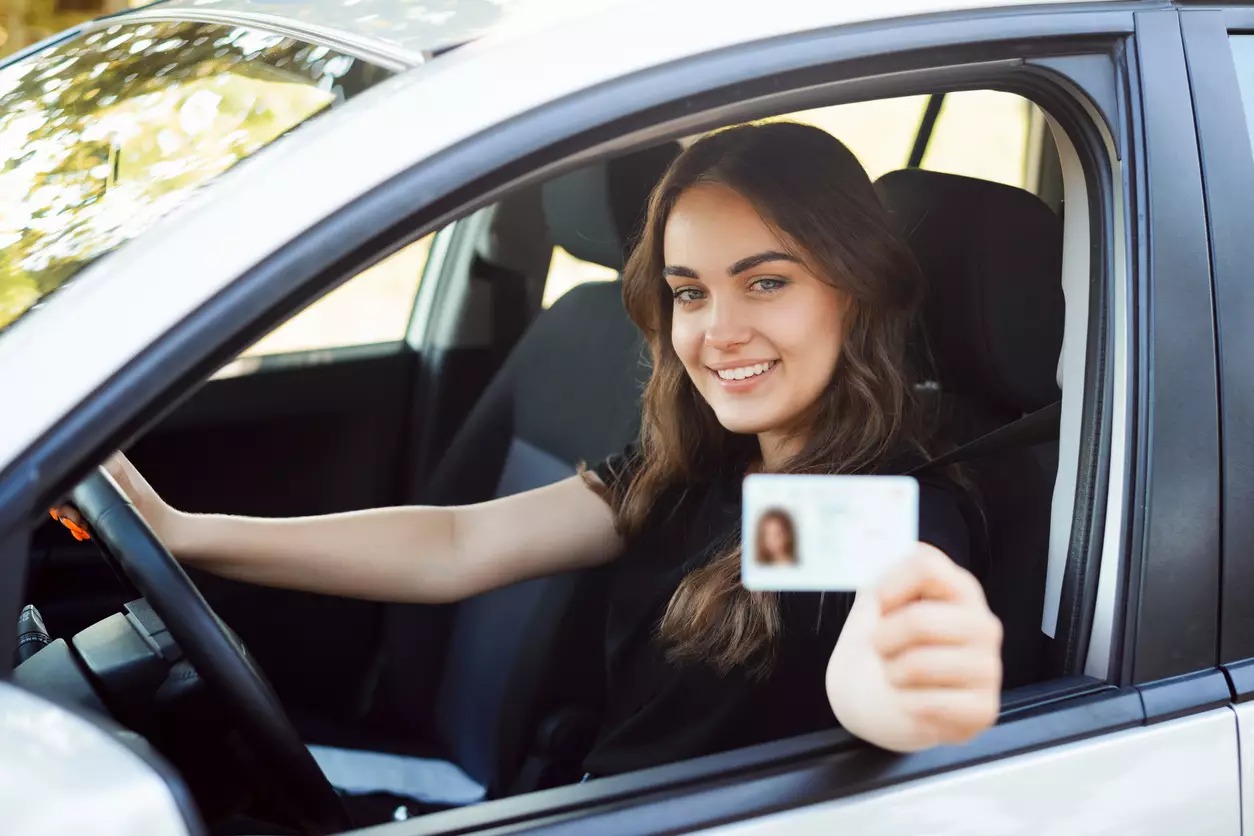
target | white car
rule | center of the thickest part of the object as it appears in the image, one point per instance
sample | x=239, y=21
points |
x=447, y=179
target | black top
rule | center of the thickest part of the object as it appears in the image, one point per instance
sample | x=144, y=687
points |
x=658, y=711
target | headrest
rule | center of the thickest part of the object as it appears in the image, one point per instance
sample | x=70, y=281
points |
x=992, y=259
x=595, y=212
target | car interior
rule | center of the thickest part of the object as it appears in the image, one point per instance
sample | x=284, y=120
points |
x=414, y=708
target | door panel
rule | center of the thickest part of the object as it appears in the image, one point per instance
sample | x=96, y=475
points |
x=291, y=442
x=1175, y=777
x=297, y=438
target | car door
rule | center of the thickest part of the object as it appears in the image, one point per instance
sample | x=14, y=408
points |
x=1219, y=45
x=1142, y=703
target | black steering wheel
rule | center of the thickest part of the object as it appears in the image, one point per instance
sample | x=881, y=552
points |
x=217, y=654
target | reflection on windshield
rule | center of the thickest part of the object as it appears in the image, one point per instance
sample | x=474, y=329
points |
x=102, y=135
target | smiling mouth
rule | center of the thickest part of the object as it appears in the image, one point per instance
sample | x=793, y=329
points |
x=744, y=372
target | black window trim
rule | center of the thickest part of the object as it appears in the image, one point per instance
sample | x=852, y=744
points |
x=1228, y=170
x=261, y=297
x=1173, y=587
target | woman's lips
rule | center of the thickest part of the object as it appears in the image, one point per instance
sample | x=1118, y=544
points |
x=744, y=384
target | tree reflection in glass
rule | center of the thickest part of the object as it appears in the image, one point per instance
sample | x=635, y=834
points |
x=102, y=135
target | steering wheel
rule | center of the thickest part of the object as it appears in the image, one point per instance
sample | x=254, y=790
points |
x=217, y=654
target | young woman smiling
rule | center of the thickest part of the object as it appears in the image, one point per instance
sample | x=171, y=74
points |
x=776, y=299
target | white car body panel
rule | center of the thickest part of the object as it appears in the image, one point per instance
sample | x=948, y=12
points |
x=1245, y=732
x=62, y=776
x=107, y=316
x=1177, y=777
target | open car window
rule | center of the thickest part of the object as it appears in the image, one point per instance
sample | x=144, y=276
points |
x=103, y=134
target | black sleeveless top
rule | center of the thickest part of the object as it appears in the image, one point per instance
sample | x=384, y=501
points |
x=659, y=711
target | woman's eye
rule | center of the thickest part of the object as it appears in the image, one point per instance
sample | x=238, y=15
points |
x=768, y=285
x=686, y=295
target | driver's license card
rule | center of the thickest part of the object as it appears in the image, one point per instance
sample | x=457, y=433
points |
x=821, y=533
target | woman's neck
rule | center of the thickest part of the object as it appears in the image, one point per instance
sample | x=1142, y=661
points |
x=775, y=448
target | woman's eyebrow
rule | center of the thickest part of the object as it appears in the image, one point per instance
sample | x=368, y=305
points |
x=682, y=272
x=749, y=262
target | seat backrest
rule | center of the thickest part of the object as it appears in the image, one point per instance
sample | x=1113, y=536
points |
x=568, y=392
x=992, y=332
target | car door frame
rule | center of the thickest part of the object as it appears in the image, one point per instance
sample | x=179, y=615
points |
x=1225, y=141
x=830, y=764
x=1228, y=165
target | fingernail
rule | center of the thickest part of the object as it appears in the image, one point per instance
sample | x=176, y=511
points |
x=78, y=531
x=55, y=515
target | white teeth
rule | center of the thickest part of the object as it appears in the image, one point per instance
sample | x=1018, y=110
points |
x=745, y=371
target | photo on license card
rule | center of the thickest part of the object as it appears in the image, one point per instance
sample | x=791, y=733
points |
x=821, y=533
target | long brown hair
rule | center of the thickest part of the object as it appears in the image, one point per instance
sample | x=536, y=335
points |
x=810, y=187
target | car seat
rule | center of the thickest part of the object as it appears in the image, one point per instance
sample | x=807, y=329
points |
x=992, y=324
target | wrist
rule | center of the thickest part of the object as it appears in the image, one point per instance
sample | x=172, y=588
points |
x=176, y=530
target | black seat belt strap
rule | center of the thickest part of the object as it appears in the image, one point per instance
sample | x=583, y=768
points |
x=1033, y=428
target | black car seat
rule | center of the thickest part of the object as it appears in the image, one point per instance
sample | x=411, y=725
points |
x=993, y=321
x=523, y=658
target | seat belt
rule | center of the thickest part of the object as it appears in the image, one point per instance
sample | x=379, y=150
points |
x=1033, y=428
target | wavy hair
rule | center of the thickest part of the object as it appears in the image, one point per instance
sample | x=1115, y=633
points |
x=809, y=186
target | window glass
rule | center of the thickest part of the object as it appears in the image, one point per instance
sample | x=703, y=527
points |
x=102, y=135
x=566, y=271
x=1243, y=57
x=372, y=307
x=978, y=133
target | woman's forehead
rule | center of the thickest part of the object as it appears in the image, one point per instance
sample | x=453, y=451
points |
x=713, y=226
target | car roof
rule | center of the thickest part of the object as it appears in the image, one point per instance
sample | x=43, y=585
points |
x=310, y=176
x=413, y=31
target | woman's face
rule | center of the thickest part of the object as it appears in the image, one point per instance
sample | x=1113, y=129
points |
x=758, y=333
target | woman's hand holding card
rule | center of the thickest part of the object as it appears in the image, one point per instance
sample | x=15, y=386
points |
x=918, y=663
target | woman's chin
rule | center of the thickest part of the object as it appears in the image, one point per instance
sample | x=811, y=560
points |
x=746, y=424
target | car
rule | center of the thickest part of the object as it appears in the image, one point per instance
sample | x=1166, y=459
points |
x=303, y=257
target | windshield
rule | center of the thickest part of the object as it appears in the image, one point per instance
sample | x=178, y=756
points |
x=103, y=134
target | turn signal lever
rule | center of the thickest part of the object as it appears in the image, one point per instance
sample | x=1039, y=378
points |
x=32, y=635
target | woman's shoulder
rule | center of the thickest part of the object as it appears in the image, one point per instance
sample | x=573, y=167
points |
x=949, y=512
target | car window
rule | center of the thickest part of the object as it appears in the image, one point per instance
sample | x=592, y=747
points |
x=1243, y=57
x=566, y=271
x=985, y=134
x=978, y=133
x=103, y=134
x=372, y=307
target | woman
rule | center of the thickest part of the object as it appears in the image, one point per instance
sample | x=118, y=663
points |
x=776, y=543
x=776, y=300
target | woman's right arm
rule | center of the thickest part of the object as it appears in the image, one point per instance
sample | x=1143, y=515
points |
x=402, y=554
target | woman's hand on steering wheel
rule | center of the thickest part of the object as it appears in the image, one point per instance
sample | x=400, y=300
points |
x=157, y=513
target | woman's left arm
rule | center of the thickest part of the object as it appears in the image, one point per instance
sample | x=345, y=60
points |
x=918, y=662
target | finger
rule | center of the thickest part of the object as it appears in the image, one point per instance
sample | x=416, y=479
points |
x=929, y=574
x=68, y=512
x=935, y=623
x=72, y=520
x=932, y=666
x=951, y=715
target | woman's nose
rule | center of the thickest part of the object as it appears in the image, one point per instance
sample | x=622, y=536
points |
x=727, y=327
